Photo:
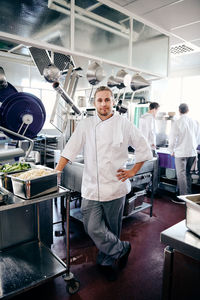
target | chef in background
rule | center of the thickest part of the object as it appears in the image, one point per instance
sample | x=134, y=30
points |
x=183, y=142
x=147, y=125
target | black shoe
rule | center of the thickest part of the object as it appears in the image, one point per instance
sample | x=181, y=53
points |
x=124, y=258
x=109, y=272
x=178, y=201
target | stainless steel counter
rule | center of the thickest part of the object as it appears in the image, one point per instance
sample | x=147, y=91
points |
x=15, y=201
x=179, y=237
x=181, y=271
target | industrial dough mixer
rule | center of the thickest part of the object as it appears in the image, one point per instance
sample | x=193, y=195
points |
x=22, y=116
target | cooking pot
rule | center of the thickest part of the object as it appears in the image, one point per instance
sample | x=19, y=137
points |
x=121, y=79
x=111, y=82
x=95, y=73
x=138, y=82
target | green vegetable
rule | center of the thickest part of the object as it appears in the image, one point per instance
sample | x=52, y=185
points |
x=7, y=168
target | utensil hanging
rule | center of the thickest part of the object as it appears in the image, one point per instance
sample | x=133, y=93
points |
x=95, y=73
x=121, y=79
x=51, y=73
x=138, y=82
x=111, y=82
x=3, y=81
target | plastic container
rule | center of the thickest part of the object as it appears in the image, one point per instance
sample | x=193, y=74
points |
x=166, y=160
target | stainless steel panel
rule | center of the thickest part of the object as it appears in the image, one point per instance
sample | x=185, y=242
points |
x=150, y=49
x=72, y=178
x=17, y=226
x=192, y=212
x=99, y=42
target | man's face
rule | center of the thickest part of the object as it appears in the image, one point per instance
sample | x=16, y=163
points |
x=104, y=104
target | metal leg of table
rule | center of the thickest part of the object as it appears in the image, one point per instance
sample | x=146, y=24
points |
x=38, y=222
x=63, y=218
x=151, y=208
x=73, y=284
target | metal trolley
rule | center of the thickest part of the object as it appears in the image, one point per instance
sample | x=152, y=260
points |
x=29, y=264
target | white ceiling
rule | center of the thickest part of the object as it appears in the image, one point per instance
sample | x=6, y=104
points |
x=179, y=18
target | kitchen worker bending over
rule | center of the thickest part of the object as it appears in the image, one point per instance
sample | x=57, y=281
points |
x=183, y=142
x=104, y=139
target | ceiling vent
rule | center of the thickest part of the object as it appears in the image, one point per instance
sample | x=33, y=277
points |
x=183, y=48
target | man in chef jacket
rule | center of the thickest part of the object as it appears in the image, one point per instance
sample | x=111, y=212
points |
x=147, y=125
x=104, y=139
x=183, y=142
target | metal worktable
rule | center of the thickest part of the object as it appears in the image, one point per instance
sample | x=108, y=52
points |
x=181, y=271
x=24, y=266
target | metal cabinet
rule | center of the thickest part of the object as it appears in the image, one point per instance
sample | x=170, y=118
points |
x=181, y=272
x=19, y=225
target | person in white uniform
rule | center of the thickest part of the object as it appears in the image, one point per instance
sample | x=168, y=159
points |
x=147, y=125
x=183, y=142
x=104, y=139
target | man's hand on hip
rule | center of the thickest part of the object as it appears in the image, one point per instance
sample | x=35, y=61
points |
x=123, y=174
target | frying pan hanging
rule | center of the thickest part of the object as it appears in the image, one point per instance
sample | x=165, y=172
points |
x=23, y=113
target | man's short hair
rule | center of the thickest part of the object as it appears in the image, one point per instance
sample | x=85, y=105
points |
x=183, y=108
x=153, y=105
x=103, y=88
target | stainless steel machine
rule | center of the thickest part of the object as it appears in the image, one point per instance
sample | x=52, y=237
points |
x=144, y=181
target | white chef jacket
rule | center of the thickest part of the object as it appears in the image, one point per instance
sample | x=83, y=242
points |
x=105, y=148
x=184, y=137
x=147, y=126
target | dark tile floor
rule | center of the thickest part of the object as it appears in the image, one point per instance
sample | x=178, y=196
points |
x=140, y=280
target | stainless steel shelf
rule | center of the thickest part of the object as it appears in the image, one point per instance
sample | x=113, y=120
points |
x=140, y=208
x=76, y=213
x=15, y=201
x=167, y=187
x=26, y=266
